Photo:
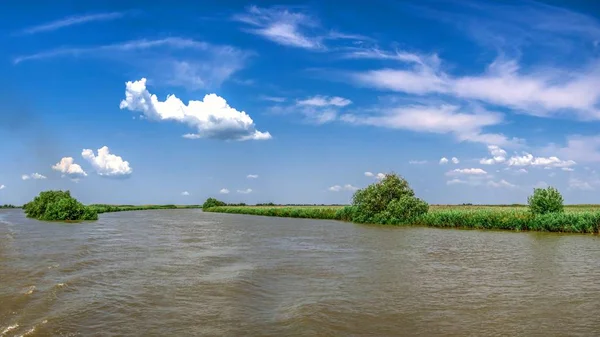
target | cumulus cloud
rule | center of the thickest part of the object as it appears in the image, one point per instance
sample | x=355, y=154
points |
x=185, y=193
x=224, y=191
x=455, y=160
x=498, y=156
x=212, y=117
x=338, y=188
x=252, y=176
x=378, y=176
x=568, y=169
x=417, y=162
x=246, y=191
x=443, y=160
x=527, y=159
x=107, y=164
x=2, y=187
x=68, y=168
x=466, y=171
x=35, y=176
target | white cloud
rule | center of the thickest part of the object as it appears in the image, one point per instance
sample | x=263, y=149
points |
x=252, y=176
x=35, y=176
x=377, y=176
x=224, y=191
x=246, y=191
x=467, y=171
x=287, y=28
x=585, y=149
x=107, y=164
x=212, y=117
x=522, y=170
x=455, y=160
x=273, y=99
x=134, y=45
x=457, y=181
x=417, y=162
x=440, y=119
x=501, y=183
x=568, y=169
x=185, y=193
x=2, y=187
x=541, y=184
x=578, y=184
x=545, y=92
x=68, y=168
x=316, y=109
x=443, y=160
x=321, y=101
x=498, y=156
x=165, y=60
x=338, y=188
x=71, y=21
x=528, y=159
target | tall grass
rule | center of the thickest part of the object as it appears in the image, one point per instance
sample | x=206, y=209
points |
x=576, y=219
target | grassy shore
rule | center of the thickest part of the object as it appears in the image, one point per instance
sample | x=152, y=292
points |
x=575, y=219
x=105, y=208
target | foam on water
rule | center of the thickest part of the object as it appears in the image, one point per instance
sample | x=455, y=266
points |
x=9, y=329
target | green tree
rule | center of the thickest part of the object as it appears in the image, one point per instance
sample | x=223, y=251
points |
x=391, y=200
x=545, y=200
x=58, y=205
x=212, y=202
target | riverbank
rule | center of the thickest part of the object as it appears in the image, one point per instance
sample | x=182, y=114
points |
x=104, y=208
x=575, y=219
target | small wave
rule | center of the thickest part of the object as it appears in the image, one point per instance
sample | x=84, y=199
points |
x=8, y=329
x=28, y=332
x=30, y=290
x=54, y=265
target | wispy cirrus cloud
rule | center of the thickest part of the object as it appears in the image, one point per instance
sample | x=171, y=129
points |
x=291, y=28
x=71, y=21
x=440, y=119
x=564, y=80
x=175, y=61
x=318, y=109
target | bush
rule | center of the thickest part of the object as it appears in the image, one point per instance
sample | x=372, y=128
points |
x=545, y=200
x=212, y=202
x=407, y=208
x=58, y=205
x=389, y=201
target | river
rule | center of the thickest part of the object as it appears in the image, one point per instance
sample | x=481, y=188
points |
x=188, y=273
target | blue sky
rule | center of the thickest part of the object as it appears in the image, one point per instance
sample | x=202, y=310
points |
x=299, y=103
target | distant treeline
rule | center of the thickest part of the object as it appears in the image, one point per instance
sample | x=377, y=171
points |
x=105, y=208
x=9, y=206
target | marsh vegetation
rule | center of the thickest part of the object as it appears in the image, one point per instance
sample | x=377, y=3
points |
x=391, y=201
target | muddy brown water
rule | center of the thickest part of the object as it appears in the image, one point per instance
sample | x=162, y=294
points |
x=188, y=273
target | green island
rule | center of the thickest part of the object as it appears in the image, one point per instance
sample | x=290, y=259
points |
x=61, y=206
x=391, y=201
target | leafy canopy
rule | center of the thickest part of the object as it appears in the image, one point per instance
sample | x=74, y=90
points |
x=545, y=200
x=390, y=200
x=212, y=202
x=58, y=205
